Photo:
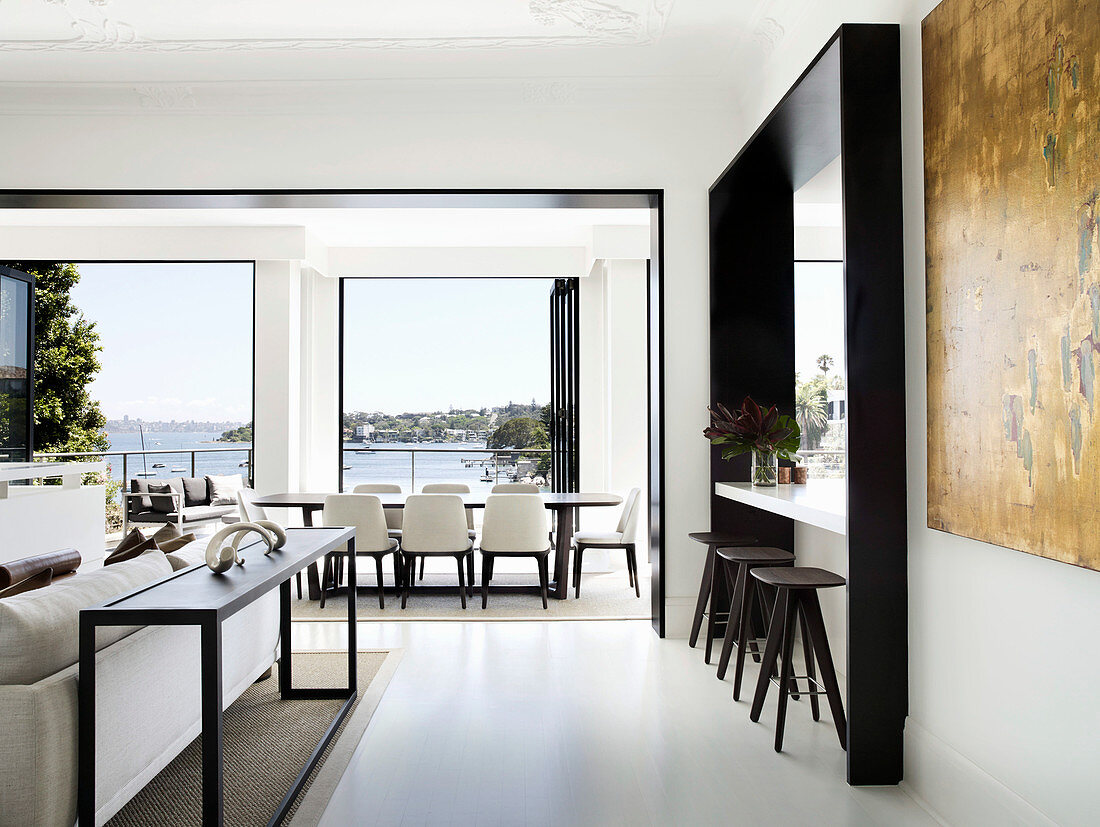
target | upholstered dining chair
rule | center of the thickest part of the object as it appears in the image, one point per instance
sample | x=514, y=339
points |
x=435, y=526
x=514, y=527
x=250, y=513
x=394, y=516
x=450, y=488
x=623, y=537
x=365, y=513
x=514, y=488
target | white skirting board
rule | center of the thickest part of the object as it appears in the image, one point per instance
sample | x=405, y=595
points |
x=955, y=790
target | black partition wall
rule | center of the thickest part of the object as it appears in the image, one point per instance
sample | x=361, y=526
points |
x=847, y=103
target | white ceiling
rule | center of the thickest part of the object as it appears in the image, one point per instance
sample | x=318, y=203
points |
x=354, y=227
x=255, y=40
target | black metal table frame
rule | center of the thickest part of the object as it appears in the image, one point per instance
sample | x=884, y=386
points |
x=210, y=622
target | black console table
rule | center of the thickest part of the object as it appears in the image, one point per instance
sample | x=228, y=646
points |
x=197, y=597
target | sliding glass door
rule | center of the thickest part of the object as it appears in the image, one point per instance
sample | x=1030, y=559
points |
x=16, y=363
x=564, y=384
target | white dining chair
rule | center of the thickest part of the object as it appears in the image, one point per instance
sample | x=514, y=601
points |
x=515, y=526
x=394, y=516
x=515, y=488
x=623, y=537
x=450, y=488
x=364, y=512
x=435, y=526
x=250, y=513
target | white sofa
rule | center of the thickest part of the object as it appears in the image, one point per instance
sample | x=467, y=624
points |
x=147, y=690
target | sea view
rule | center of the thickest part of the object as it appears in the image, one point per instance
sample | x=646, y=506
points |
x=380, y=466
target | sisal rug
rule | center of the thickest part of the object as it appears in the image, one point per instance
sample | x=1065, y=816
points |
x=604, y=596
x=267, y=741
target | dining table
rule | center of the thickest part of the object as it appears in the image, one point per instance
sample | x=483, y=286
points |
x=562, y=504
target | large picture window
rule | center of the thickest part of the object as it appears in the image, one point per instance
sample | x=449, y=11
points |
x=16, y=361
x=440, y=372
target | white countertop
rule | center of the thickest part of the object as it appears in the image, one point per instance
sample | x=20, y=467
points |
x=12, y=471
x=821, y=503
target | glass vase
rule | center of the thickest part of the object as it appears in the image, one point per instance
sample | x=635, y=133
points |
x=765, y=468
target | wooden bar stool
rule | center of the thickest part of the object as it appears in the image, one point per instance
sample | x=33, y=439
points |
x=796, y=601
x=736, y=563
x=713, y=540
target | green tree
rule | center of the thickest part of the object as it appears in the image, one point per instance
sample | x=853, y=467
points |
x=810, y=412
x=66, y=359
x=825, y=363
x=521, y=432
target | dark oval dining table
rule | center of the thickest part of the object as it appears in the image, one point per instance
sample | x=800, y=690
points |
x=562, y=504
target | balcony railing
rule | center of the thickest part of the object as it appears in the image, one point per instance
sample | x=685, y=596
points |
x=493, y=461
x=152, y=452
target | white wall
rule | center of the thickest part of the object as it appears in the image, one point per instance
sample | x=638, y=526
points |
x=613, y=397
x=1004, y=653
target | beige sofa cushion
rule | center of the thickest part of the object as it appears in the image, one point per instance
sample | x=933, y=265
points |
x=39, y=630
x=187, y=556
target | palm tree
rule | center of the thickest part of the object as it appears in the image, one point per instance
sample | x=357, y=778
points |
x=825, y=363
x=810, y=413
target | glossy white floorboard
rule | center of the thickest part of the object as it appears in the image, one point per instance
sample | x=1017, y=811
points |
x=586, y=723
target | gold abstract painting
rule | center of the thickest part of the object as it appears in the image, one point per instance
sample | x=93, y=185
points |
x=1012, y=174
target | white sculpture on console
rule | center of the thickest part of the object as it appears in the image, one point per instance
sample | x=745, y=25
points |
x=220, y=558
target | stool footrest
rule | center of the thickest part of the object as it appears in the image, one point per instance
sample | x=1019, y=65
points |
x=818, y=688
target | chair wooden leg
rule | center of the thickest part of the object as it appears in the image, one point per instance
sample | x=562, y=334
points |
x=816, y=623
x=771, y=655
x=381, y=584
x=808, y=655
x=544, y=578
x=704, y=596
x=744, y=625
x=786, y=672
x=632, y=561
x=461, y=578
x=470, y=572
x=577, y=573
x=407, y=561
x=326, y=575
x=486, y=574
x=397, y=575
x=712, y=619
x=421, y=568
x=298, y=579
x=732, y=629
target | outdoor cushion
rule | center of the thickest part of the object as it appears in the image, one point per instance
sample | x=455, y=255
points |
x=140, y=503
x=39, y=629
x=170, y=531
x=162, y=504
x=176, y=543
x=223, y=489
x=195, y=491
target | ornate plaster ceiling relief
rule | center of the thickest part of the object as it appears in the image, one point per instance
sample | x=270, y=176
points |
x=768, y=33
x=93, y=25
x=165, y=97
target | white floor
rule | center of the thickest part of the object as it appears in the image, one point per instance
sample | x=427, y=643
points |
x=582, y=723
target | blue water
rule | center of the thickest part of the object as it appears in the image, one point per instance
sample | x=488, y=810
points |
x=381, y=466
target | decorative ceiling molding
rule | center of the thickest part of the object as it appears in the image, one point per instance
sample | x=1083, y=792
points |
x=165, y=97
x=600, y=24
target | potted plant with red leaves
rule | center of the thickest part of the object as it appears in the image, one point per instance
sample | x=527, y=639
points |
x=765, y=433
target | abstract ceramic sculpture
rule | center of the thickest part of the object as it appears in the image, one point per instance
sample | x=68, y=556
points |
x=220, y=558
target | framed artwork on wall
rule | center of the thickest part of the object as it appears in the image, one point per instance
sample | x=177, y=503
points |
x=1012, y=175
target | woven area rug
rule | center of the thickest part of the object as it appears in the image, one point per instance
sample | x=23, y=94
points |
x=267, y=741
x=603, y=597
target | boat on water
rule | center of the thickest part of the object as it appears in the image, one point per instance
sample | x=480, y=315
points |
x=244, y=464
x=145, y=474
x=158, y=464
x=347, y=467
x=178, y=470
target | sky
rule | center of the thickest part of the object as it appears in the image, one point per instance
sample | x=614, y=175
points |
x=177, y=339
x=429, y=344
x=818, y=316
